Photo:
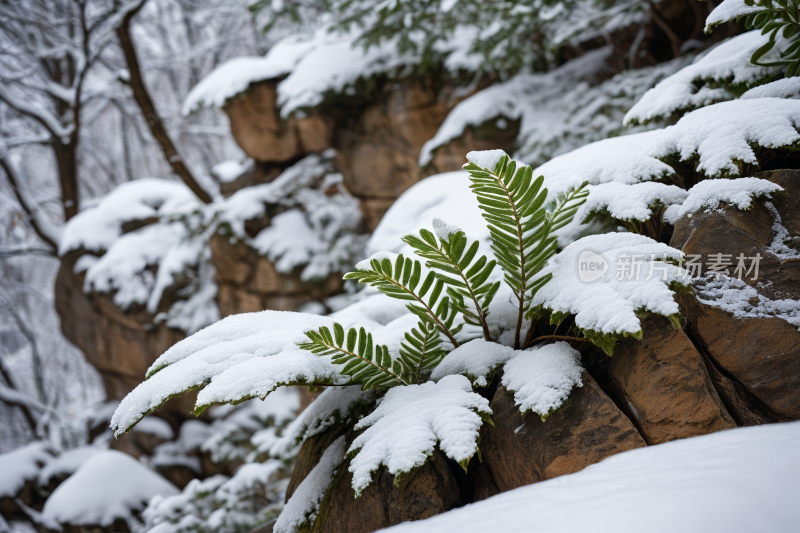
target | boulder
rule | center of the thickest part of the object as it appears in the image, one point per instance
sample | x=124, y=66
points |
x=760, y=353
x=664, y=382
x=309, y=455
x=427, y=491
x=731, y=231
x=757, y=357
x=258, y=129
x=522, y=449
x=248, y=282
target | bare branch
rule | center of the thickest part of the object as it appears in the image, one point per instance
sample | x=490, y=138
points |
x=149, y=111
x=45, y=229
x=41, y=115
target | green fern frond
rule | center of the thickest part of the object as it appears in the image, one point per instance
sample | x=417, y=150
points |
x=466, y=277
x=401, y=281
x=520, y=226
x=513, y=202
x=421, y=350
x=367, y=365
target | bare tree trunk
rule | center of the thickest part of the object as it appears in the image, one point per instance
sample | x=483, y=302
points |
x=148, y=109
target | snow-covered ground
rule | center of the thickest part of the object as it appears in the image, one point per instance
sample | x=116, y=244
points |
x=742, y=480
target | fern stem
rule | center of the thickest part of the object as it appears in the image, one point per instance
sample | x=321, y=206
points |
x=523, y=282
x=559, y=338
x=430, y=311
x=446, y=259
x=385, y=371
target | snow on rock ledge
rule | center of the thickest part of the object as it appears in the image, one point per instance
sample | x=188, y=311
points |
x=699, y=476
x=109, y=486
x=709, y=194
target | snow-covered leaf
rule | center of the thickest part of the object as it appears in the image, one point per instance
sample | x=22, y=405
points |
x=403, y=431
x=542, y=378
x=713, y=77
x=240, y=357
x=631, y=278
x=631, y=202
x=476, y=360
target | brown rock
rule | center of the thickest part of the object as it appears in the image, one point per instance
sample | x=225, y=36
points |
x=267, y=278
x=309, y=455
x=665, y=383
x=763, y=354
x=136, y=443
x=453, y=155
x=257, y=126
x=484, y=486
x=232, y=301
x=521, y=449
x=428, y=491
x=788, y=206
x=730, y=231
x=232, y=261
x=373, y=209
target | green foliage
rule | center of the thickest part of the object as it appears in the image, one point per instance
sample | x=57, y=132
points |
x=519, y=224
x=453, y=257
x=775, y=17
x=402, y=281
x=421, y=351
x=778, y=16
x=367, y=365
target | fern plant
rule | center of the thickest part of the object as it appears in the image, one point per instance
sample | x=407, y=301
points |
x=455, y=281
x=773, y=17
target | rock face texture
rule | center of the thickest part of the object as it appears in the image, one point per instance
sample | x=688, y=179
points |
x=757, y=357
x=120, y=345
x=428, y=491
x=521, y=449
x=248, y=282
x=377, y=139
x=665, y=384
x=258, y=129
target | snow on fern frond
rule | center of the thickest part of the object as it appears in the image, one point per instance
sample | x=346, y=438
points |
x=403, y=431
x=740, y=193
x=722, y=136
x=783, y=88
x=336, y=405
x=608, y=307
x=729, y=10
x=240, y=357
x=630, y=202
x=713, y=77
x=543, y=377
x=719, y=137
x=302, y=507
x=476, y=360
x=486, y=159
x=443, y=230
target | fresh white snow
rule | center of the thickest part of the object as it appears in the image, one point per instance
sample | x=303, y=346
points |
x=631, y=202
x=737, y=481
x=96, y=228
x=402, y=432
x=109, y=486
x=783, y=88
x=66, y=463
x=21, y=465
x=242, y=356
x=302, y=507
x=709, y=194
x=476, y=359
x=609, y=304
x=704, y=82
x=729, y=10
x=743, y=301
x=542, y=378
